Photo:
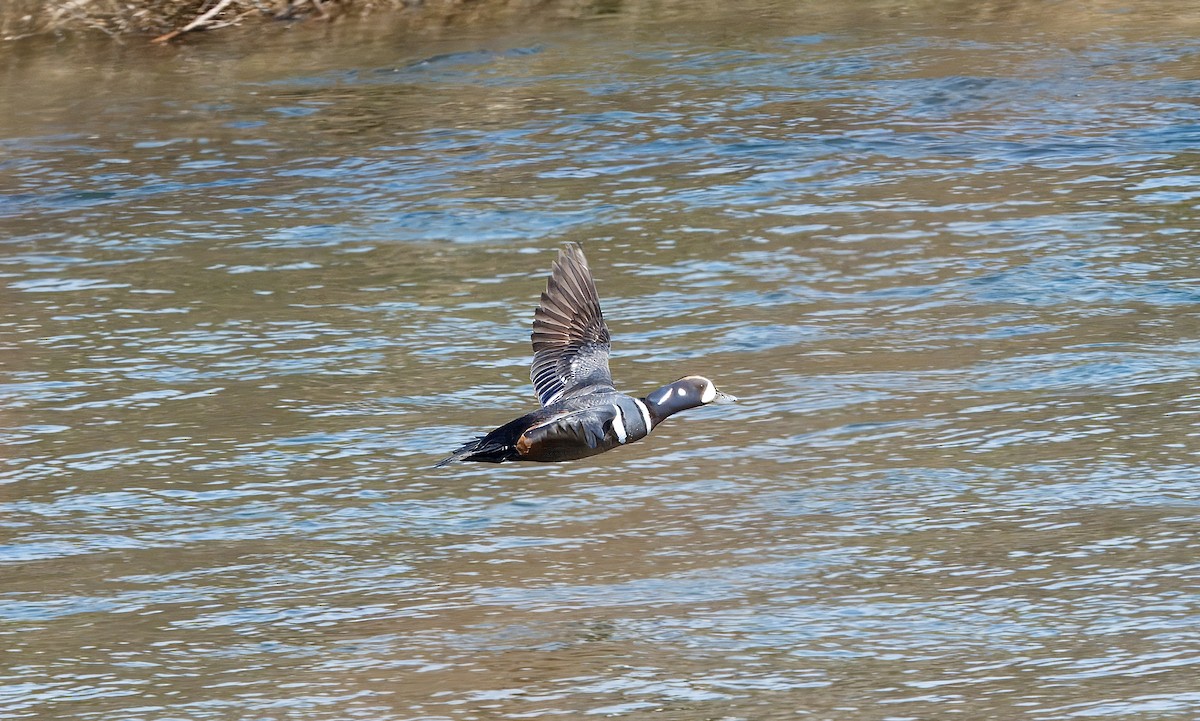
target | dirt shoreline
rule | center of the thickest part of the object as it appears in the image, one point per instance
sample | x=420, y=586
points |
x=169, y=20
x=175, y=20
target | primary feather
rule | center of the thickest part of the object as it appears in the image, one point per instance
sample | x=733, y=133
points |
x=570, y=339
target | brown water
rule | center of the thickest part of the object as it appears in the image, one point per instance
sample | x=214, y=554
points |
x=946, y=255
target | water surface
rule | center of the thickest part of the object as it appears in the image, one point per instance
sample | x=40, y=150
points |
x=254, y=288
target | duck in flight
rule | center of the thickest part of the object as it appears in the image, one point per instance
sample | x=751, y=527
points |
x=582, y=413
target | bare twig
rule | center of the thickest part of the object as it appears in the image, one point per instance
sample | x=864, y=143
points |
x=230, y=23
x=201, y=22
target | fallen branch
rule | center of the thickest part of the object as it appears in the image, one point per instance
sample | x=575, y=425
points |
x=235, y=21
x=200, y=23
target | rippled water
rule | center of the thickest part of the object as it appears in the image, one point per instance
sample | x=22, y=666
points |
x=945, y=254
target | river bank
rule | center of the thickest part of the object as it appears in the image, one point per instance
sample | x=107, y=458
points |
x=167, y=19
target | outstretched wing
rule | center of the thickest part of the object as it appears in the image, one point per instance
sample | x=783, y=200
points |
x=570, y=340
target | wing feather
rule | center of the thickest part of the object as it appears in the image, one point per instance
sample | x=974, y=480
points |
x=570, y=339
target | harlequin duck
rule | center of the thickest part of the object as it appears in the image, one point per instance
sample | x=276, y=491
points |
x=582, y=414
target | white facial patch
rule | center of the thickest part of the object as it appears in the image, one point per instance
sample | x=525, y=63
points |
x=681, y=392
x=709, y=394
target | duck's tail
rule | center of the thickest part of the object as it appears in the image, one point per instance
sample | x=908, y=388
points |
x=481, y=449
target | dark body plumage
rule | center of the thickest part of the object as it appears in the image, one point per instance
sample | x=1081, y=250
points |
x=582, y=414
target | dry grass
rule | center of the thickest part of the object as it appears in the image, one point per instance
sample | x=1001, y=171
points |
x=20, y=18
x=154, y=18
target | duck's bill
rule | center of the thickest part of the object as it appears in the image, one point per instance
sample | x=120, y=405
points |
x=723, y=397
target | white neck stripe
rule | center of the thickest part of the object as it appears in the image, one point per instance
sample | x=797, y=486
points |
x=645, y=413
x=618, y=425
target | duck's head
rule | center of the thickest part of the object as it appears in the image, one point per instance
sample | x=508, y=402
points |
x=687, y=392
